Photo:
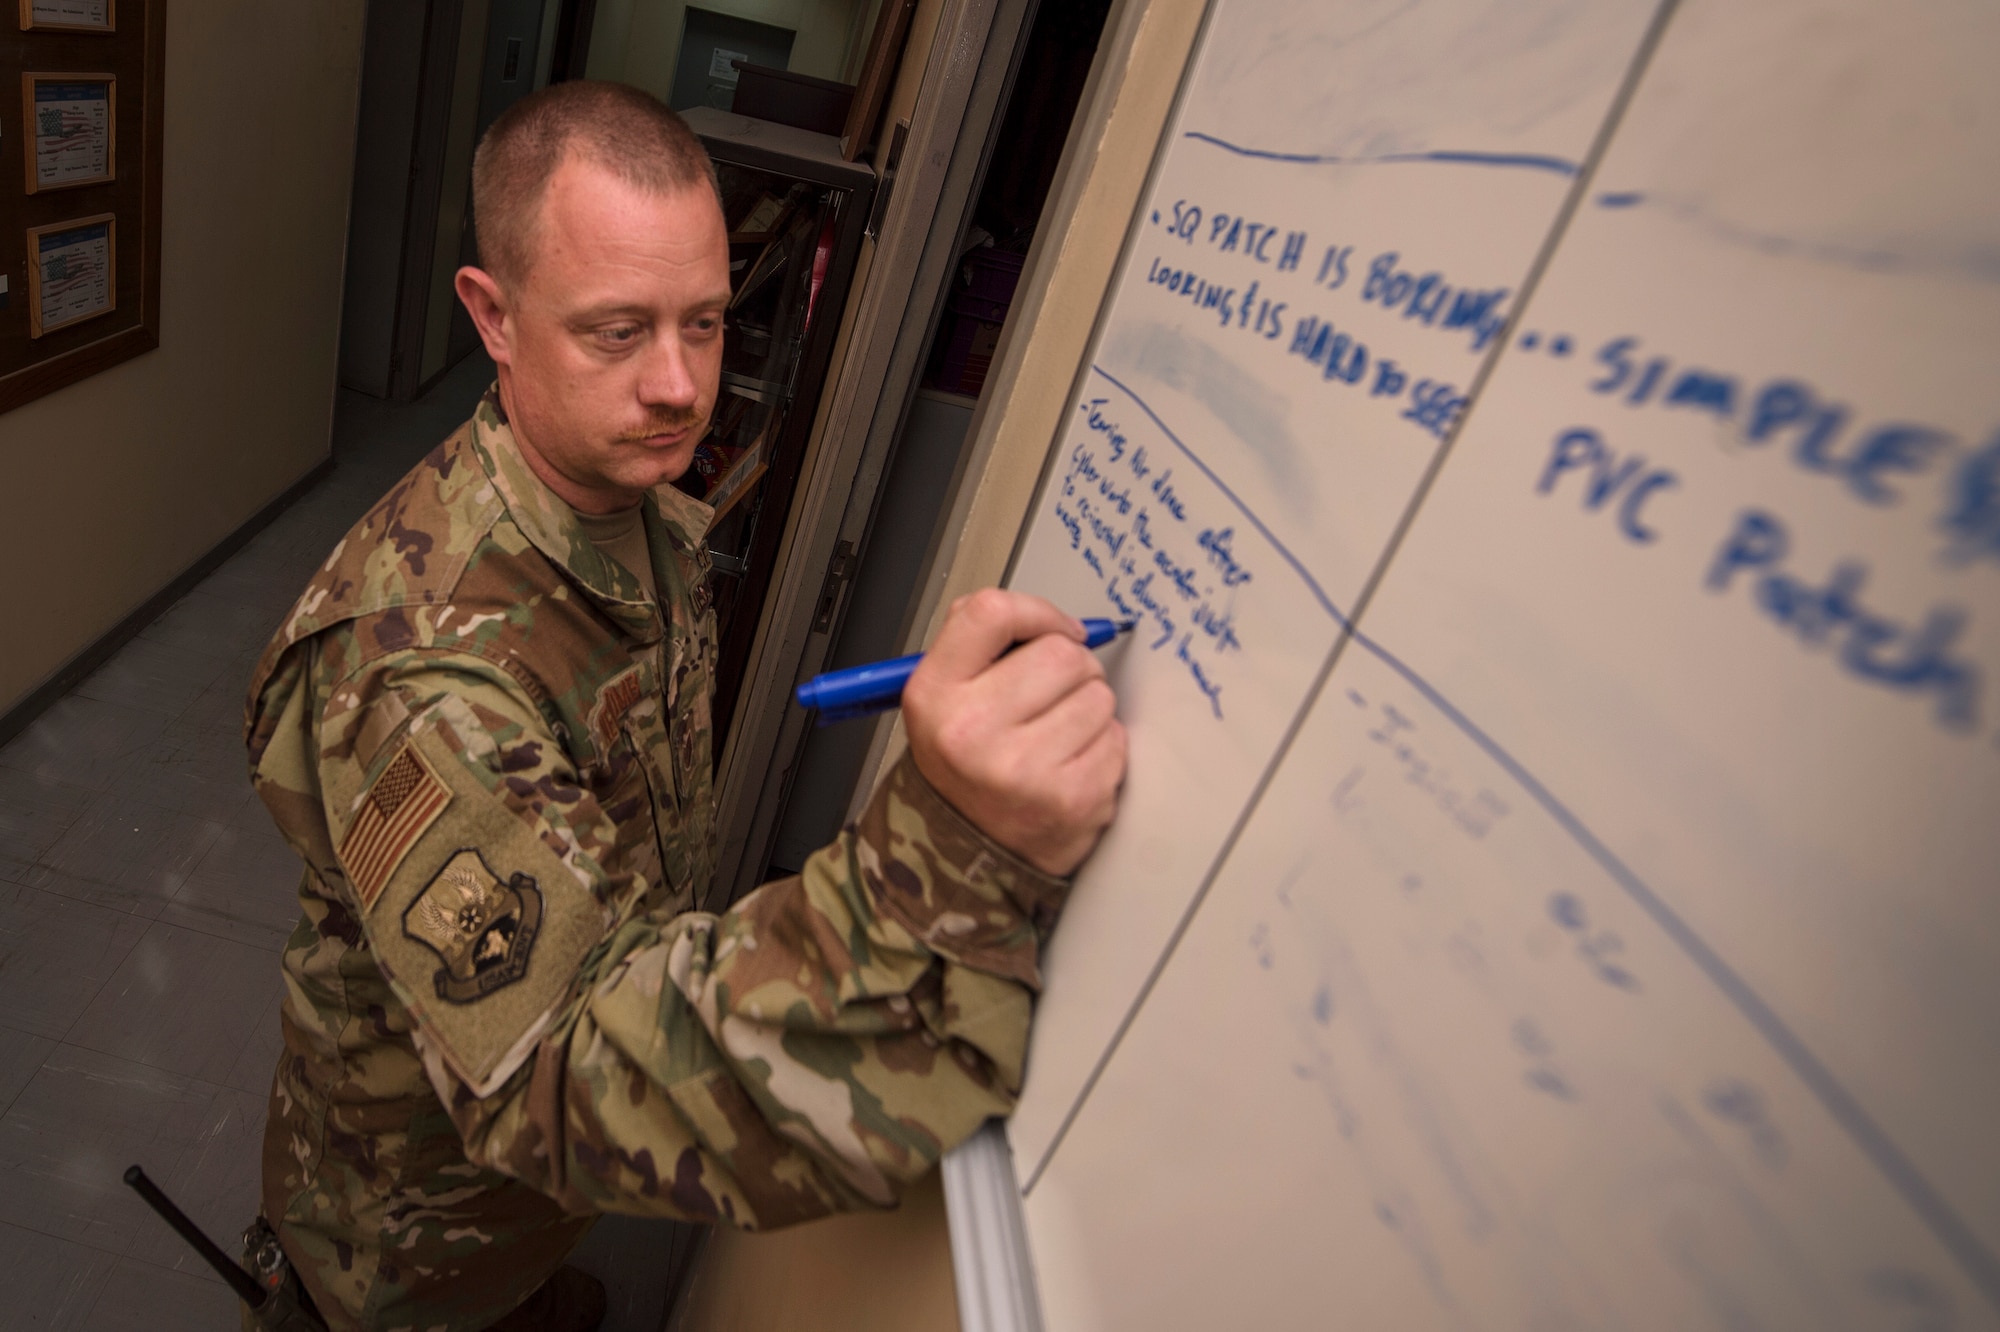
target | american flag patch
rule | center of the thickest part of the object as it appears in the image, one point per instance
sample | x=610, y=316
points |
x=404, y=801
x=613, y=703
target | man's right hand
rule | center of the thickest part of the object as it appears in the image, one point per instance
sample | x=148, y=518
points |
x=1026, y=744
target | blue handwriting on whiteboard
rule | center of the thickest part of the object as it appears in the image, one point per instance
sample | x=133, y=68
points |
x=1868, y=462
x=1740, y=1105
x=1333, y=267
x=1127, y=521
x=1473, y=812
x=1342, y=358
x=1972, y=506
x=1599, y=949
x=1434, y=301
x=1892, y=254
x=1233, y=235
x=1336, y=353
x=1753, y=555
x=1560, y=166
x=1605, y=476
x=1231, y=311
x=1258, y=306
x=1429, y=298
x=1435, y=406
x=1830, y=615
x=1217, y=546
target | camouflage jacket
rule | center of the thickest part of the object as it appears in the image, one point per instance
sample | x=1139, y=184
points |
x=501, y=1017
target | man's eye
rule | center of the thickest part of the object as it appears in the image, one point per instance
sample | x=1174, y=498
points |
x=619, y=334
x=707, y=323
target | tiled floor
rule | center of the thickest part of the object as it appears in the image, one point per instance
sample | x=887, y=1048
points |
x=144, y=897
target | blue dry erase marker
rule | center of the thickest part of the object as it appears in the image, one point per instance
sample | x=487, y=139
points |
x=862, y=691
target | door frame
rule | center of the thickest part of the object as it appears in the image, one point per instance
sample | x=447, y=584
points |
x=971, y=63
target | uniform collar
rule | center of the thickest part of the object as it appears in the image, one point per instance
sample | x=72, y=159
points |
x=675, y=524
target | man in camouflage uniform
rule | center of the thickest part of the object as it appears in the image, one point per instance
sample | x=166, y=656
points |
x=487, y=735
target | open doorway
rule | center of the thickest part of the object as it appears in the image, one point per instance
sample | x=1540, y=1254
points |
x=1006, y=214
x=435, y=74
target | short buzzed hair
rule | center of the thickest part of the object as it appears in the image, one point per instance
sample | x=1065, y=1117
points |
x=628, y=132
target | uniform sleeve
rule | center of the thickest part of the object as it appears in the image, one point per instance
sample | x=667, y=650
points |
x=812, y=1049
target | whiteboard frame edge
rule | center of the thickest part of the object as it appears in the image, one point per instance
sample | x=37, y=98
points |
x=990, y=1259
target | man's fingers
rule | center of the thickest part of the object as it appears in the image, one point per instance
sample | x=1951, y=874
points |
x=1029, y=681
x=1025, y=742
x=1100, y=768
x=1070, y=724
x=1089, y=797
x=1025, y=757
x=984, y=625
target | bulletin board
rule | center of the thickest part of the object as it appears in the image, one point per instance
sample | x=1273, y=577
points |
x=80, y=132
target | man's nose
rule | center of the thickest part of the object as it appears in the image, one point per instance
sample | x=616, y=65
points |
x=669, y=379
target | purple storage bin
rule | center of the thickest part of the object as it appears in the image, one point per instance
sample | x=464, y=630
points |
x=974, y=314
x=968, y=353
x=991, y=275
x=973, y=307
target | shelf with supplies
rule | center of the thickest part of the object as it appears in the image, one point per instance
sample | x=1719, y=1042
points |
x=796, y=210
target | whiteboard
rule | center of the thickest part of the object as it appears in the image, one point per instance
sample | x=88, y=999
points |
x=1556, y=883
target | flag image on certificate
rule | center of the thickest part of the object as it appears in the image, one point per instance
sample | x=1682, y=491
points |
x=72, y=272
x=71, y=122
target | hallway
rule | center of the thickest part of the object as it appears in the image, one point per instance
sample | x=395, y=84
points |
x=144, y=899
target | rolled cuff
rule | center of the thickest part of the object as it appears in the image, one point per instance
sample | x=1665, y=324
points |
x=968, y=898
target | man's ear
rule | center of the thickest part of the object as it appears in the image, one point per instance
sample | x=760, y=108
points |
x=487, y=303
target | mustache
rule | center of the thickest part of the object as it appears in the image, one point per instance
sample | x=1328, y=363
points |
x=662, y=420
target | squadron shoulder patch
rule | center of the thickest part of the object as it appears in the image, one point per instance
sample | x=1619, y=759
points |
x=405, y=799
x=480, y=928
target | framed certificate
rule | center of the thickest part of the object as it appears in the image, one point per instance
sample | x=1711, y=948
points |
x=80, y=236
x=69, y=15
x=70, y=129
x=72, y=272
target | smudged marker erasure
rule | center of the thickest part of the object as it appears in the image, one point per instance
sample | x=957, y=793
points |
x=862, y=691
